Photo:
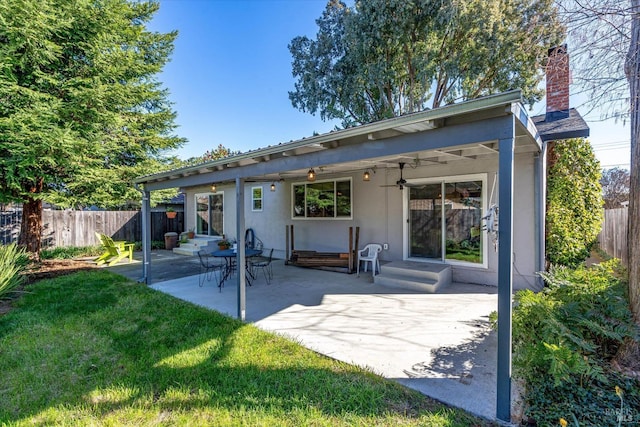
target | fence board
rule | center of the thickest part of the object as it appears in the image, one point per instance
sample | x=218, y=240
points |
x=614, y=234
x=78, y=228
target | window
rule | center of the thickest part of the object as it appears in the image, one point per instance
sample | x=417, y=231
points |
x=322, y=200
x=256, y=199
x=210, y=214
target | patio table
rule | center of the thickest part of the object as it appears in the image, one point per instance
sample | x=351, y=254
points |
x=229, y=255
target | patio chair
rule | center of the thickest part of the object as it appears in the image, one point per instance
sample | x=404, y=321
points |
x=114, y=251
x=369, y=254
x=263, y=263
x=208, y=269
x=251, y=241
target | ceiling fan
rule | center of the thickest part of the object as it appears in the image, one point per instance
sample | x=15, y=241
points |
x=401, y=183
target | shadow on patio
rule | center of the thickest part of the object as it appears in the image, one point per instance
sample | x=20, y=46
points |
x=439, y=344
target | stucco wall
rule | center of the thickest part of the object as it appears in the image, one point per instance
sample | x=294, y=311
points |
x=378, y=211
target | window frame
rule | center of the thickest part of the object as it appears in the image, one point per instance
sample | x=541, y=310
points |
x=442, y=180
x=255, y=199
x=335, y=216
x=207, y=194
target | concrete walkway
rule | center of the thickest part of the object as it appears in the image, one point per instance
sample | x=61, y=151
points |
x=439, y=344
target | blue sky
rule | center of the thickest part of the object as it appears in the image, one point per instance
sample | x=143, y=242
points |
x=230, y=75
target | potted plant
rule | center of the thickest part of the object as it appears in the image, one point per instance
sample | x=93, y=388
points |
x=171, y=213
x=224, y=244
x=191, y=233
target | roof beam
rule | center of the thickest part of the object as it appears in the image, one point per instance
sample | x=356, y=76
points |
x=437, y=139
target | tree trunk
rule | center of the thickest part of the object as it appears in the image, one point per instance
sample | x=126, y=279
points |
x=632, y=70
x=31, y=227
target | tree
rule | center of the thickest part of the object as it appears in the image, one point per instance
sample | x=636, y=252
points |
x=384, y=58
x=608, y=70
x=574, y=201
x=615, y=187
x=632, y=71
x=220, y=152
x=81, y=112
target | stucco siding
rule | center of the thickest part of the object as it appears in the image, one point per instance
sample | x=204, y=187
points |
x=377, y=208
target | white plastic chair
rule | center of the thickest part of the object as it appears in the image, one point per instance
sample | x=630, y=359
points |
x=370, y=254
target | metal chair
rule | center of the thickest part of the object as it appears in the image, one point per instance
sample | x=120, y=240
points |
x=369, y=254
x=263, y=263
x=208, y=269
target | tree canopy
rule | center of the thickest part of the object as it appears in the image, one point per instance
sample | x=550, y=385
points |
x=615, y=187
x=384, y=58
x=81, y=111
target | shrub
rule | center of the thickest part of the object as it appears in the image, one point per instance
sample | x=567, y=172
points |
x=70, y=252
x=565, y=338
x=574, y=202
x=13, y=261
x=155, y=244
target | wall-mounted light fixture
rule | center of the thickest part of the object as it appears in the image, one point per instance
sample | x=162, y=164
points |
x=213, y=188
x=366, y=176
x=311, y=175
x=273, y=186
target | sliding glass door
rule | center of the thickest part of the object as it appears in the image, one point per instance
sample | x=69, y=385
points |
x=210, y=214
x=445, y=220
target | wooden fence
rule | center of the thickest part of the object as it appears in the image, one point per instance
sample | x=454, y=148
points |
x=77, y=228
x=613, y=237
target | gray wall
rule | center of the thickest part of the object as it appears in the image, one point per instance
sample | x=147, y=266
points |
x=378, y=211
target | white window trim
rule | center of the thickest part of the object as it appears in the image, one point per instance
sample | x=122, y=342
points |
x=445, y=179
x=335, y=218
x=195, y=210
x=261, y=199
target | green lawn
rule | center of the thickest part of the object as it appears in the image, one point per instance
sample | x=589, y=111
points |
x=93, y=348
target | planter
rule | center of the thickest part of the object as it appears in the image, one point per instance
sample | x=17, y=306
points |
x=171, y=215
x=191, y=235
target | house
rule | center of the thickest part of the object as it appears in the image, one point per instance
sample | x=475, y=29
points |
x=426, y=185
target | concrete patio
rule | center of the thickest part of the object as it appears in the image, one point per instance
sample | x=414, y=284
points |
x=439, y=344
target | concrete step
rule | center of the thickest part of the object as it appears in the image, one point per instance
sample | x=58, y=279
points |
x=405, y=282
x=418, y=276
x=192, y=246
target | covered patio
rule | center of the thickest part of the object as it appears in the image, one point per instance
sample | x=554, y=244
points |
x=439, y=344
x=489, y=142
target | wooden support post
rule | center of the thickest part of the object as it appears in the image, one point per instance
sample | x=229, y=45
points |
x=350, y=250
x=292, y=240
x=357, y=245
x=287, y=256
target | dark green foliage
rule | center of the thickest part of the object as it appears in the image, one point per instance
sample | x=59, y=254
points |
x=13, y=261
x=574, y=202
x=155, y=244
x=565, y=338
x=71, y=252
x=384, y=58
x=81, y=110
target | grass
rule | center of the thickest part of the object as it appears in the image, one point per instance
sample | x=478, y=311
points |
x=71, y=252
x=93, y=348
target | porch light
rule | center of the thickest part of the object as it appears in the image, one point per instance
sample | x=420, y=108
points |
x=213, y=188
x=273, y=186
x=366, y=176
x=311, y=175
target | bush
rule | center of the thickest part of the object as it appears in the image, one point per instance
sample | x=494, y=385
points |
x=574, y=202
x=13, y=261
x=155, y=244
x=70, y=252
x=565, y=338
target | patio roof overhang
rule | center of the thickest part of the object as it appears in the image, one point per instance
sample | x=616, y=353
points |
x=464, y=131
